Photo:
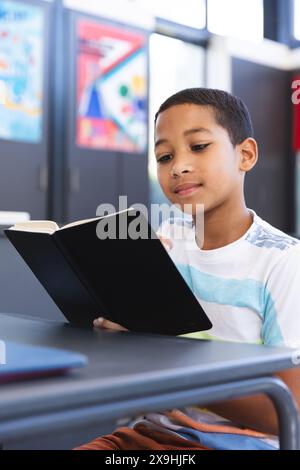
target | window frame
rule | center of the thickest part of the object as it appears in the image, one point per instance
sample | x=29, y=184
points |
x=294, y=41
x=183, y=32
x=279, y=22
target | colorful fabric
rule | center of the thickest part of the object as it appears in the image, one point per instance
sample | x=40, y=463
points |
x=189, y=429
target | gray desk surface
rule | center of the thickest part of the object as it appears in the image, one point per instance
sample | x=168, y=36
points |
x=125, y=366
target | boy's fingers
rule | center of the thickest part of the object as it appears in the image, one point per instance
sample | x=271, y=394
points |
x=98, y=322
x=107, y=324
x=112, y=326
x=167, y=243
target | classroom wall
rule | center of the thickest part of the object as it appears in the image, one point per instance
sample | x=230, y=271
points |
x=261, y=74
x=269, y=187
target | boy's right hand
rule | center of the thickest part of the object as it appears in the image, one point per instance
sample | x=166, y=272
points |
x=102, y=323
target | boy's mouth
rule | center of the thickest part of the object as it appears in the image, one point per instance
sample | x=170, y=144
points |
x=186, y=189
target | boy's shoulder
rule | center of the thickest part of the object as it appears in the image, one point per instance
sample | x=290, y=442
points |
x=261, y=234
x=265, y=235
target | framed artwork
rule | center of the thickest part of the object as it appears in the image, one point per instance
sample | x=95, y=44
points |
x=111, y=87
x=21, y=71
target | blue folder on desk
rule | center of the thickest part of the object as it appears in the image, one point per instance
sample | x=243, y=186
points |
x=19, y=361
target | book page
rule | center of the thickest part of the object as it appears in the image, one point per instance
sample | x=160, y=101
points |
x=79, y=222
x=48, y=226
x=41, y=226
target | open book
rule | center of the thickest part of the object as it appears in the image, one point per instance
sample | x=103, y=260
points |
x=128, y=280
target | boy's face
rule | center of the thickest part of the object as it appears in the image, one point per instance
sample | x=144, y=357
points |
x=196, y=161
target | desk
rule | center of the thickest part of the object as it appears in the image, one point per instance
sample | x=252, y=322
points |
x=131, y=373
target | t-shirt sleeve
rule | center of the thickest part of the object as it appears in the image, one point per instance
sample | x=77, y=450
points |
x=281, y=316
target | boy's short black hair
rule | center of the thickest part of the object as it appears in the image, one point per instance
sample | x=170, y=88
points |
x=231, y=113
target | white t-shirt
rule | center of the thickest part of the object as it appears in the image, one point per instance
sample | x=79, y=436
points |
x=250, y=289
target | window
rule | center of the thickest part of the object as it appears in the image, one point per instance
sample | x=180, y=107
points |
x=239, y=18
x=189, y=13
x=297, y=19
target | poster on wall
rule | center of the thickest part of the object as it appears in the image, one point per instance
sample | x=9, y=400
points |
x=21, y=71
x=111, y=88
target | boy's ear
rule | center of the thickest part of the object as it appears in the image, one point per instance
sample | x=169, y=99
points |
x=248, y=154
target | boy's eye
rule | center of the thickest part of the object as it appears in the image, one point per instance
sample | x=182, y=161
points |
x=164, y=158
x=199, y=147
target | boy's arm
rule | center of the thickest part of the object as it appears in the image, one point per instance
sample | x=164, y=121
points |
x=258, y=412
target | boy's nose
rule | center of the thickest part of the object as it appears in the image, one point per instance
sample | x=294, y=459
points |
x=177, y=170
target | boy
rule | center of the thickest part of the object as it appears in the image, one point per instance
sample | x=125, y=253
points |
x=246, y=275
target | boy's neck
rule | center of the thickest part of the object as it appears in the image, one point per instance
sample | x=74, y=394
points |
x=225, y=225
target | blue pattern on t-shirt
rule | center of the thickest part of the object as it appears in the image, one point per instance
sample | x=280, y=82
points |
x=264, y=238
x=247, y=293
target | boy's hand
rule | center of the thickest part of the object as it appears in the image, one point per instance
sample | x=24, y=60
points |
x=102, y=323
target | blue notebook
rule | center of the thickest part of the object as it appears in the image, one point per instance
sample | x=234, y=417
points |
x=21, y=361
